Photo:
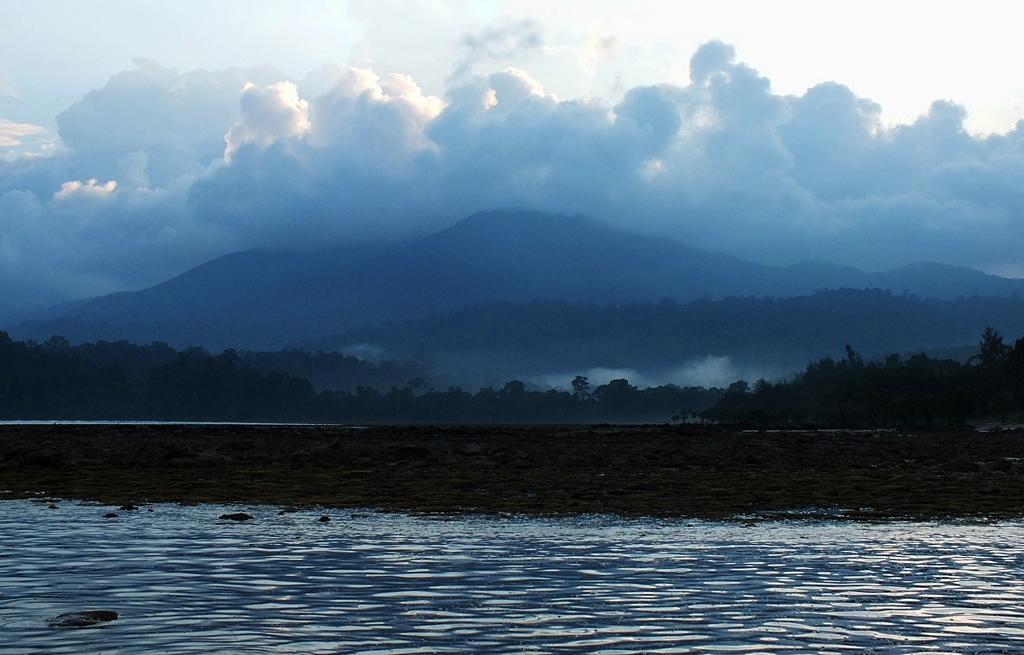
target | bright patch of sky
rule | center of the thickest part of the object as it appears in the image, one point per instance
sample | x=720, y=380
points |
x=902, y=55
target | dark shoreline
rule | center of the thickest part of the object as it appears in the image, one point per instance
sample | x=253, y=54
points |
x=707, y=472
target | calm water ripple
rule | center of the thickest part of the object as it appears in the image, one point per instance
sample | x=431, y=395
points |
x=185, y=582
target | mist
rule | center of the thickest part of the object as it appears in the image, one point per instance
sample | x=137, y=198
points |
x=710, y=371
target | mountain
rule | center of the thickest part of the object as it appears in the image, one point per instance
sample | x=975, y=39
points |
x=267, y=299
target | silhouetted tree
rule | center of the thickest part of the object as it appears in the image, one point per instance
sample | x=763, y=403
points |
x=580, y=387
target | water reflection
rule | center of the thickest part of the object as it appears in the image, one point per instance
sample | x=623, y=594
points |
x=184, y=582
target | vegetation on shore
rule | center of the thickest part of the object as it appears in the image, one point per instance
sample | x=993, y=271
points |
x=916, y=391
x=122, y=381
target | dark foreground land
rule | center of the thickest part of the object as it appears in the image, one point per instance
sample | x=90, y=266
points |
x=659, y=470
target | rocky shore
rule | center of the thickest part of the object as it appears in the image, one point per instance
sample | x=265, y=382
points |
x=654, y=470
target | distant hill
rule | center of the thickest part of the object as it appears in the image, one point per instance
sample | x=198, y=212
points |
x=772, y=335
x=268, y=299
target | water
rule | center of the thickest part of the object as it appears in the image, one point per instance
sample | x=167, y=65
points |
x=184, y=582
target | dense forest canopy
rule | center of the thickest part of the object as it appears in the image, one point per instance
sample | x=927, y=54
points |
x=915, y=391
x=123, y=381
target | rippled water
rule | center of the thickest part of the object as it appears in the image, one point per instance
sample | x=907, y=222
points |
x=184, y=582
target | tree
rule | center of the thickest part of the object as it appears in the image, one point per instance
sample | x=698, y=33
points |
x=737, y=387
x=992, y=352
x=580, y=387
x=853, y=360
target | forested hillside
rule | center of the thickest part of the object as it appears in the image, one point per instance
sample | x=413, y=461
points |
x=778, y=333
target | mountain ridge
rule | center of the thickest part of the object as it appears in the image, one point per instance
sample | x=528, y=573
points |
x=269, y=299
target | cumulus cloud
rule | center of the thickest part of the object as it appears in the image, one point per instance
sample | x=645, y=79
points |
x=374, y=118
x=90, y=189
x=269, y=114
x=189, y=166
x=178, y=121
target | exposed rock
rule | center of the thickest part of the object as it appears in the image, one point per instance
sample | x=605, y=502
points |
x=288, y=510
x=413, y=452
x=110, y=515
x=128, y=508
x=148, y=456
x=237, y=516
x=12, y=461
x=707, y=471
x=325, y=455
x=962, y=465
x=44, y=457
x=324, y=519
x=82, y=619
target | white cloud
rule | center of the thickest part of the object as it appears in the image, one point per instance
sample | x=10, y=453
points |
x=89, y=189
x=373, y=117
x=18, y=140
x=268, y=114
x=12, y=134
x=177, y=120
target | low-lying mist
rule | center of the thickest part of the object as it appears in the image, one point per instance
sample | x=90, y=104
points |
x=710, y=371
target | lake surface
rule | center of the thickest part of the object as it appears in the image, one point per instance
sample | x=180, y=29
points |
x=185, y=582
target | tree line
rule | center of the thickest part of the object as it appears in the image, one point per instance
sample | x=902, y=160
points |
x=121, y=381
x=57, y=381
x=891, y=392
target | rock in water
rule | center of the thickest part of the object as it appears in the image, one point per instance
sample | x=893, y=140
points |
x=110, y=515
x=324, y=519
x=237, y=516
x=82, y=619
x=129, y=507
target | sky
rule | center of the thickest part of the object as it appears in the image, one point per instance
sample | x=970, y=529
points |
x=141, y=138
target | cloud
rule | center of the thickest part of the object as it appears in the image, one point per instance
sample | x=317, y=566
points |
x=268, y=114
x=373, y=118
x=178, y=121
x=194, y=165
x=90, y=189
x=19, y=140
x=12, y=134
x=498, y=43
